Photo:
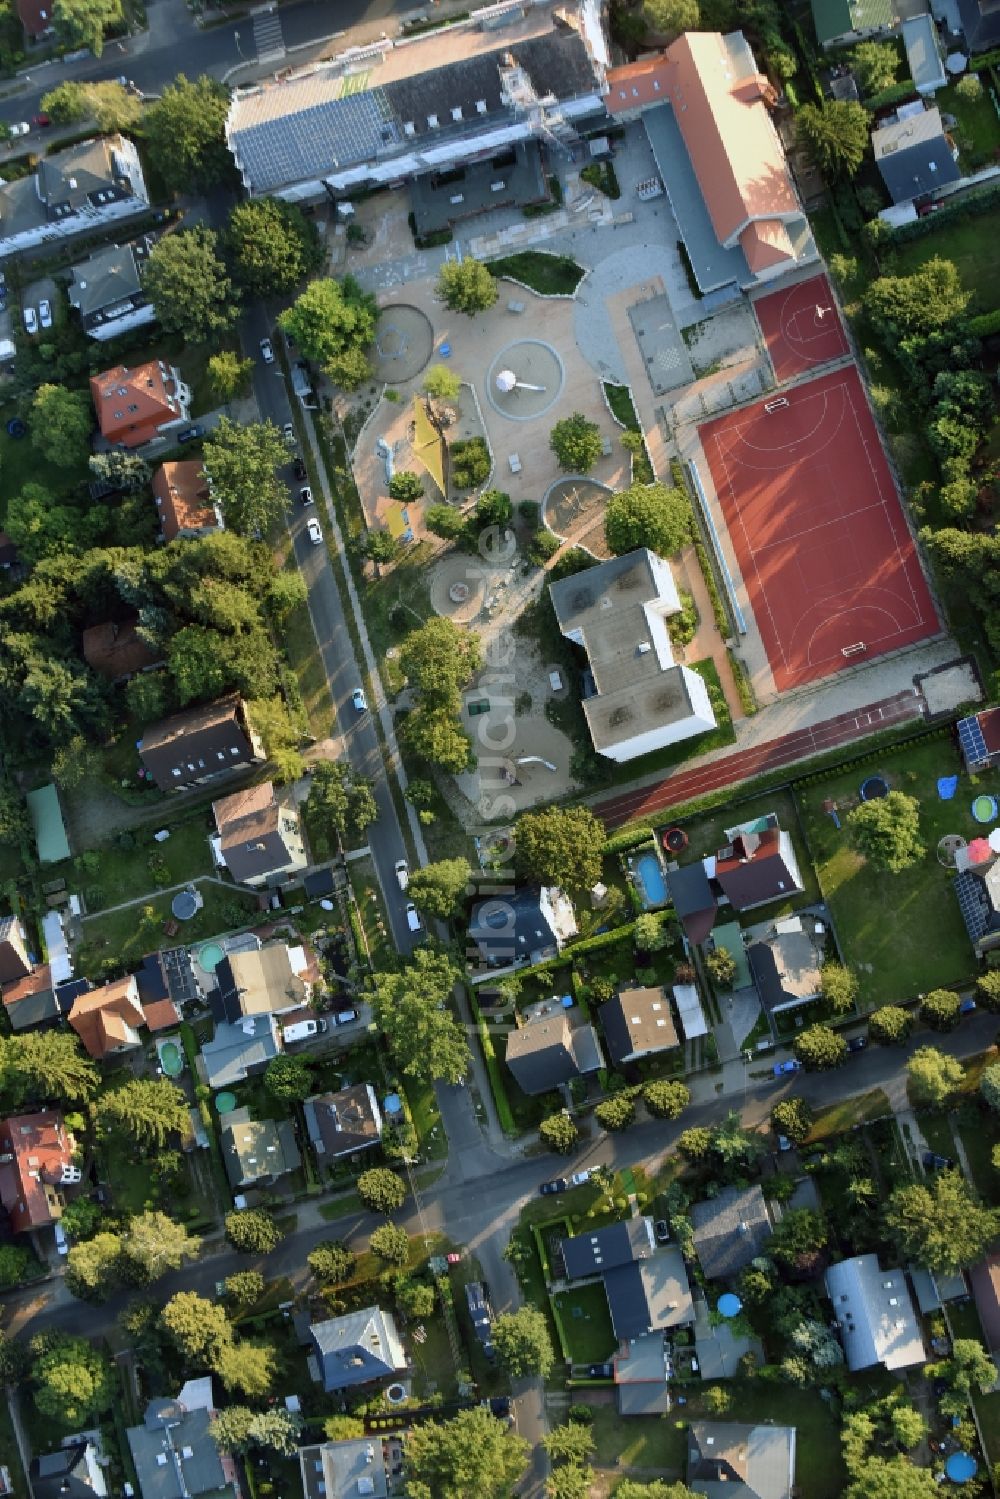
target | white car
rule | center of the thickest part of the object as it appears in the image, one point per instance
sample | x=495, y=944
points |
x=580, y=1178
x=402, y=873
x=267, y=352
x=288, y=432
x=306, y=495
x=62, y=1244
x=359, y=700
x=413, y=918
x=21, y=128
x=314, y=531
x=31, y=320
x=45, y=313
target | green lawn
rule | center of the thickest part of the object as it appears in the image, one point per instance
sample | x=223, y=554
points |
x=840, y=1117
x=123, y=873
x=706, y=833
x=979, y=1132
x=551, y=275
x=902, y=933
x=22, y=463
x=978, y=132
x=586, y=1324
x=971, y=244
x=122, y=937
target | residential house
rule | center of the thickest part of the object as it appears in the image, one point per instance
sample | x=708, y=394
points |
x=528, y=926
x=741, y=1461
x=49, y=828
x=914, y=155
x=257, y=1150
x=36, y=17
x=134, y=406
x=174, y=1453
x=106, y=291
x=265, y=980
x=978, y=891
x=638, y=1023
x=15, y=960
x=200, y=745
x=980, y=21
x=84, y=189
x=108, y=1020
x=73, y=1472
x=341, y=1123
x=184, y=501
x=875, y=1315
x=357, y=1349
x=31, y=1001
x=463, y=94
x=238, y=1051
x=642, y=1370
x=641, y=699
x=757, y=866
x=549, y=1049
x=706, y=110
x=932, y=1291
x=924, y=53
x=689, y=1011
x=116, y=650
x=605, y=1249
x=786, y=963
x=344, y=1470
x=984, y=1279
x=166, y=978
x=841, y=23
x=730, y=1230
x=259, y=834
x=979, y=739
x=694, y=900
x=36, y=1165
x=647, y=1287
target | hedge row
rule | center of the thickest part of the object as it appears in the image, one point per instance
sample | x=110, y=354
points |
x=985, y=324
x=744, y=686
x=943, y=731
x=897, y=94
x=629, y=838
x=969, y=205
x=500, y=1099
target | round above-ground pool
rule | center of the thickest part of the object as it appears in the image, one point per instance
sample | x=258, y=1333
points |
x=171, y=1058
x=649, y=878
x=984, y=808
x=210, y=956
x=874, y=787
x=961, y=1467
x=225, y=1103
x=729, y=1305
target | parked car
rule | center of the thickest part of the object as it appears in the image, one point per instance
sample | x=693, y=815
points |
x=500, y=1406
x=191, y=434
x=600, y=1371
x=21, y=128
x=359, y=700
x=345, y=1017
x=402, y=873
x=45, y=318
x=314, y=531
x=661, y=1228
x=302, y=1030
x=781, y=1069
x=934, y=1162
x=857, y=1043
x=62, y=1244
x=580, y=1178
x=479, y=1310
x=43, y=121
x=299, y=469
x=453, y=1258
x=967, y=1006
x=31, y=320
x=306, y=495
x=784, y=1143
x=288, y=432
x=559, y=1184
x=413, y=918
x=267, y=352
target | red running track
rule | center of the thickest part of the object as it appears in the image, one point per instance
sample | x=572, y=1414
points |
x=685, y=785
x=801, y=327
x=830, y=567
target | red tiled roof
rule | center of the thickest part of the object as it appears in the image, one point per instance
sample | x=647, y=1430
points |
x=102, y=1018
x=989, y=723
x=132, y=404
x=116, y=650
x=161, y=1014
x=637, y=84
x=182, y=498
x=36, y=15
x=41, y=1148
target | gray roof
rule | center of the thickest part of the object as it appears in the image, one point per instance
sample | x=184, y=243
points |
x=874, y=1314
x=693, y=899
x=175, y=1456
x=66, y=1474
x=237, y=1050
x=785, y=970
x=358, y=1348
x=342, y=1122
x=506, y=928
x=608, y=1248
x=337, y=1470
x=923, y=52
x=980, y=22
x=730, y=1460
x=713, y=265
x=254, y=1149
x=730, y=1230
x=550, y=1051
x=84, y=174
x=647, y=1297
x=109, y=277
x=914, y=156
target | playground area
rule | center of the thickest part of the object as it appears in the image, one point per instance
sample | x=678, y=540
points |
x=829, y=565
x=801, y=327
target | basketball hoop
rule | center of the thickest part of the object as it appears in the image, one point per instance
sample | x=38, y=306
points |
x=770, y=407
x=821, y=312
x=857, y=649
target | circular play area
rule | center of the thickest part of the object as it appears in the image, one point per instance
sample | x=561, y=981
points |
x=404, y=343
x=458, y=587
x=569, y=505
x=675, y=840
x=185, y=905
x=873, y=788
x=210, y=956
x=525, y=380
x=948, y=847
x=984, y=808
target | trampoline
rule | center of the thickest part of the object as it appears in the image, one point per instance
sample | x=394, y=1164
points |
x=171, y=1058
x=984, y=808
x=184, y=905
x=961, y=1467
x=225, y=1103
x=675, y=840
x=873, y=788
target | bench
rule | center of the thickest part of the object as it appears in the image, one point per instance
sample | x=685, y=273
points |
x=515, y=463
x=515, y=306
x=606, y=446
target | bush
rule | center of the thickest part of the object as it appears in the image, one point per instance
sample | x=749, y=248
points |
x=559, y=1133
x=940, y=1010
x=722, y=966
x=616, y=1113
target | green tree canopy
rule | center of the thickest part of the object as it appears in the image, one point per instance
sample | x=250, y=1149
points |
x=839, y=987
x=245, y=1287
x=60, y=423
x=249, y=1368
x=670, y=17
x=522, y=1343
x=73, y=1383
x=253, y=1231
x=648, y=515
x=186, y=281
x=410, y=1009
x=45, y=1064
x=969, y=1369
x=932, y=1077
x=940, y=1223
x=83, y=23
x=835, y=134
x=229, y=375
x=442, y=383
x=471, y=1454
x=792, y=1117
x=381, y=1190
x=185, y=132
x=391, y=1243
x=152, y=1244
x=438, y=659
x=940, y=1009
x=559, y=1133
x=818, y=1047
x=665, y=1100
x=928, y=298
x=288, y=1078
x=890, y=1025
x=147, y=1110
x=892, y=1478
x=331, y=1262
x=406, y=486
x=196, y=1327
x=722, y=966
x=887, y=831
x=616, y=1113
x=989, y=1085
x=93, y=1267
x=272, y=246
x=988, y=989
x=874, y=65
x=240, y=1429
x=433, y=734
x=560, y=846
x=438, y=890
x=242, y=462
x=576, y=442
x=339, y=800
x=466, y=285
x=333, y=323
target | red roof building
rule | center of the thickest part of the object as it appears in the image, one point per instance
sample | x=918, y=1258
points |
x=184, y=500
x=107, y=1020
x=36, y=1164
x=134, y=405
x=35, y=16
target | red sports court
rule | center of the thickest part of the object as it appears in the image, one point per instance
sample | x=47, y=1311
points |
x=830, y=567
x=801, y=327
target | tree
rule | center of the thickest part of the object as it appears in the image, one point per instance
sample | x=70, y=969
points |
x=47, y=1064
x=442, y=383
x=658, y=1489
x=410, y=1009
x=390, y=1243
x=472, y=1454
x=470, y=462
x=650, y=933
x=197, y=1328
x=940, y=1010
x=288, y=1078
x=838, y=986
x=890, y=1025
x=381, y=1190
x=572, y=1442
x=239, y=1429
x=616, y=1112
x=887, y=831
x=522, y=1343
x=988, y=990
x=333, y=323
x=331, y=1262
x=272, y=246
x=438, y=659
x=126, y=471
x=186, y=281
x=908, y=1426
x=798, y=1237
x=570, y=1481
x=669, y=17
x=438, y=890
x=148, y=1110
x=695, y=1143
x=114, y=107
x=560, y=846
x=559, y=1133
x=242, y=463
x=60, y=423
x=245, y=1287
x=432, y=734
x=874, y=65
x=82, y=23
x=647, y=515
x=930, y=297
x=835, y=134
x=73, y=1382
x=932, y=1077
x=415, y=1298
x=493, y=508
x=576, y=443
x=941, y=1223
x=67, y=103
x=406, y=486
x=466, y=286
x=185, y=133
x=250, y=1368
x=253, y=1231
x=895, y=1478
x=152, y=1244
x=722, y=966
x=665, y=1100
x=444, y=521
x=969, y=1368
x=92, y=1268
x=792, y=1117
x=343, y=1428
x=229, y=375
x=340, y=801
x=989, y=1085
x=818, y=1048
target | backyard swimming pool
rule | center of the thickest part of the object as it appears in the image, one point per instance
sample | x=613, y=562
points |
x=171, y=1058
x=649, y=880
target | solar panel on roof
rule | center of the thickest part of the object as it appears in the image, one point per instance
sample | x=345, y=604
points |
x=970, y=737
x=972, y=904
